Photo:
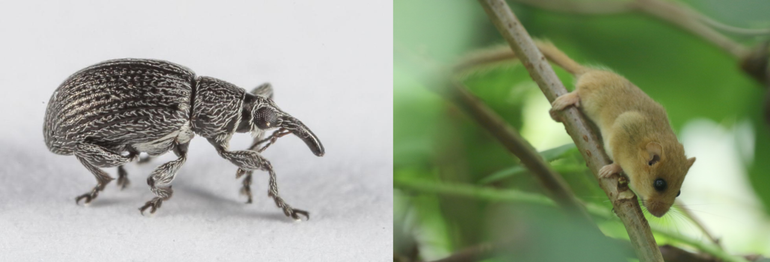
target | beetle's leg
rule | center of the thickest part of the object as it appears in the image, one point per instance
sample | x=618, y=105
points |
x=246, y=188
x=273, y=192
x=264, y=90
x=270, y=140
x=251, y=160
x=123, y=181
x=160, y=179
x=94, y=156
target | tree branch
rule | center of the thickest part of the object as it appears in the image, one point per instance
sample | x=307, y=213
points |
x=623, y=200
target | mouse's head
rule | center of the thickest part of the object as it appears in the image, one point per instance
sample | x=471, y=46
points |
x=662, y=172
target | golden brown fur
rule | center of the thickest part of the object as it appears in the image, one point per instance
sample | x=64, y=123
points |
x=635, y=130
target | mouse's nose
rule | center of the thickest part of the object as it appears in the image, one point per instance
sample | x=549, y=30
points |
x=657, y=208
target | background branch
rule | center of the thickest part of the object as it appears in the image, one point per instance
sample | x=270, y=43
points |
x=515, y=196
x=553, y=184
x=623, y=200
x=673, y=13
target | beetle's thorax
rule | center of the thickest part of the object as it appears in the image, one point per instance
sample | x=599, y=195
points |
x=217, y=107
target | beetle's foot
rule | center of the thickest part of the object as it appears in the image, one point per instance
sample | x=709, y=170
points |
x=153, y=205
x=88, y=196
x=123, y=181
x=288, y=210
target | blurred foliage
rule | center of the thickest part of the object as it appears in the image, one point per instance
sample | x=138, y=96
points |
x=435, y=142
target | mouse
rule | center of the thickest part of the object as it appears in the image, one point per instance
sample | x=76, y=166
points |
x=635, y=130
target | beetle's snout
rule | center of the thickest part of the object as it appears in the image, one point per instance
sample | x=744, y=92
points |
x=300, y=130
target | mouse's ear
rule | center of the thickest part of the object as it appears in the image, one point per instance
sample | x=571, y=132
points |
x=655, y=151
x=690, y=161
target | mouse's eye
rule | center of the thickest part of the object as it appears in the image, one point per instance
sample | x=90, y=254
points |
x=678, y=193
x=659, y=184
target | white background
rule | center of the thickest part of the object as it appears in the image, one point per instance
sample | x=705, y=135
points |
x=330, y=63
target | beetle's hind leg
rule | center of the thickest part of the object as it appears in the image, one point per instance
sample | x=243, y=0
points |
x=93, y=156
x=160, y=179
x=123, y=181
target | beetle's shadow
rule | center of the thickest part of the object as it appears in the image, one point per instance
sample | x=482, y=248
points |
x=227, y=205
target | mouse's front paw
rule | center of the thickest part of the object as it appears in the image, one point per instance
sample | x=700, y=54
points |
x=610, y=169
x=568, y=99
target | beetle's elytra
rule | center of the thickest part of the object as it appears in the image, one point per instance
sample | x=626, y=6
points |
x=109, y=113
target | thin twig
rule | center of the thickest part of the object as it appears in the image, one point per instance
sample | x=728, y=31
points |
x=623, y=200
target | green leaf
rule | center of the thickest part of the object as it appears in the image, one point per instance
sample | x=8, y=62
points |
x=548, y=155
x=558, y=152
x=502, y=174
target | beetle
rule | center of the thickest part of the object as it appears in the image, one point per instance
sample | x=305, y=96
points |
x=109, y=113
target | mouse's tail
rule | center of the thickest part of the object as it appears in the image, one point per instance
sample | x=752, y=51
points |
x=558, y=57
x=504, y=53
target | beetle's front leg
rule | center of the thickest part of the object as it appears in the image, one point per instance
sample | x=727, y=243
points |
x=246, y=188
x=251, y=160
x=160, y=179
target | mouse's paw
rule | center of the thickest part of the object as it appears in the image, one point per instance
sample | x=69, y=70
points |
x=566, y=100
x=610, y=169
x=555, y=115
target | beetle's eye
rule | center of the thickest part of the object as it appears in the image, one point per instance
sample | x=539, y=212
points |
x=678, y=193
x=265, y=118
x=659, y=184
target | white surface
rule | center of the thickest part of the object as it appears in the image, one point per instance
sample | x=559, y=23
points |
x=330, y=63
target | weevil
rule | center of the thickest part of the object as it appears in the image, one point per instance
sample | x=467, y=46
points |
x=109, y=113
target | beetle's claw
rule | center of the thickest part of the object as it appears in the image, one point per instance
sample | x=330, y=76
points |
x=153, y=204
x=295, y=212
x=87, y=196
x=90, y=195
x=288, y=210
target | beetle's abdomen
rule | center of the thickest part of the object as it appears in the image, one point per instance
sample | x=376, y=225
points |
x=119, y=102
